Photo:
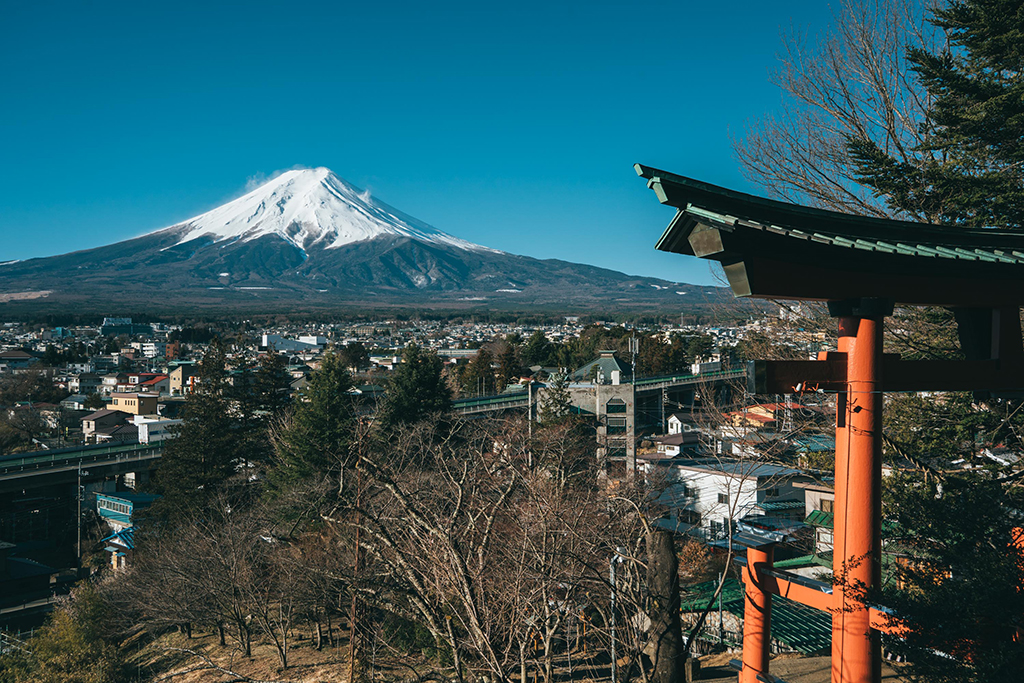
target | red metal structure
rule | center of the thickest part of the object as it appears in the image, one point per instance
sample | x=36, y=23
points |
x=862, y=267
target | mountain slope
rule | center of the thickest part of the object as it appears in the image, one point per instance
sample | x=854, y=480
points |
x=309, y=238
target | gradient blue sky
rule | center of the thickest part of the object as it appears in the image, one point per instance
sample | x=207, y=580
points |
x=515, y=126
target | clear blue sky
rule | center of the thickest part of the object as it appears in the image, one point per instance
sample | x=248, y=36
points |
x=515, y=126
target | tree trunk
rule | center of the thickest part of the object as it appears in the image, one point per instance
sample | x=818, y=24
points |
x=319, y=634
x=220, y=632
x=666, y=631
x=548, y=657
x=522, y=662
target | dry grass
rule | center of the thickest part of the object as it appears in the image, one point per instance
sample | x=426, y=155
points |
x=167, y=659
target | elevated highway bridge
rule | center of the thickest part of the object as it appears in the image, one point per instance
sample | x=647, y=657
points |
x=70, y=465
x=645, y=385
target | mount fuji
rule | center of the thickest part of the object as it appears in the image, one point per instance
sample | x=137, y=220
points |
x=308, y=239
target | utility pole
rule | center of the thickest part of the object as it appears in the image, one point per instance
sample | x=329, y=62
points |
x=353, y=619
x=79, y=494
x=529, y=423
x=611, y=576
x=616, y=559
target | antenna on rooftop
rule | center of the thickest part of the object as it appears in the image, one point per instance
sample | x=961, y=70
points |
x=634, y=348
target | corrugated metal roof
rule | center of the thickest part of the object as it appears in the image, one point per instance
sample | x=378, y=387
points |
x=802, y=628
x=819, y=518
x=773, y=505
x=124, y=537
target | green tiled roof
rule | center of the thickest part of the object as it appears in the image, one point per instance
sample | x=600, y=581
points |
x=802, y=628
x=819, y=518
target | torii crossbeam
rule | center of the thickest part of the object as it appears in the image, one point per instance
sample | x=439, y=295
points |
x=862, y=267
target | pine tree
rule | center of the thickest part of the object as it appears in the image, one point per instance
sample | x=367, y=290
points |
x=974, y=131
x=508, y=367
x=960, y=597
x=555, y=404
x=314, y=442
x=417, y=388
x=203, y=456
x=537, y=350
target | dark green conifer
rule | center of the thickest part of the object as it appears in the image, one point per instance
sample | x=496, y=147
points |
x=204, y=455
x=971, y=172
x=417, y=388
x=314, y=442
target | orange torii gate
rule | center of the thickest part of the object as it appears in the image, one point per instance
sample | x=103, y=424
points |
x=862, y=267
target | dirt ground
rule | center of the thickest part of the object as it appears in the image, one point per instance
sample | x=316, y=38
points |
x=791, y=669
x=308, y=665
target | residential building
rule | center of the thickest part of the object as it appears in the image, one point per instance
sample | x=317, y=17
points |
x=819, y=502
x=154, y=349
x=153, y=429
x=182, y=378
x=134, y=403
x=101, y=420
x=86, y=383
x=708, y=496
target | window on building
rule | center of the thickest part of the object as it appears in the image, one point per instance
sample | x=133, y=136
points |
x=723, y=498
x=617, y=452
x=826, y=505
x=689, y=517
x=615, y=405
x=616, y=425
x=772, y=492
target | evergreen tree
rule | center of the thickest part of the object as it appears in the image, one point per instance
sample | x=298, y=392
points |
x=555, y=403
x=417, y=388
x=960, y=597
x=272, y=385
x=974, y=130
x=537, y=350
x=71, y=647
x=314, y=441
x=204, y=454
x=95, y=402
x=52, y=357
x=478, y=376
x=508, y=367
x=355, y=355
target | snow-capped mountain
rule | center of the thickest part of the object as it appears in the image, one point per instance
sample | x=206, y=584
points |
x=311, y=207
x=309, y=240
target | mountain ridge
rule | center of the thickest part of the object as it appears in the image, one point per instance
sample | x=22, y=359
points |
x=309, y=238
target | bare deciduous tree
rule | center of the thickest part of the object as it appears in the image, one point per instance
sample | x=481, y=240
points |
x=854, y=83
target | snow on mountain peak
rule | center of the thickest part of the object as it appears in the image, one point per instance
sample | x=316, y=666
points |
x=310, y=207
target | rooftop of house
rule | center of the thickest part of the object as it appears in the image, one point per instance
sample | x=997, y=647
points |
x=103, y=413
x=124, y=539
x=732, y=468
x=16, y=354
x=805, y=629
x=606, y=363
x=139, y=499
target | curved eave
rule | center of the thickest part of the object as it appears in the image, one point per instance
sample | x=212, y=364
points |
x=773, y=249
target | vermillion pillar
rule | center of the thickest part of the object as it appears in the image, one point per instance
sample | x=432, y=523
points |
x=856, y=651
x=757, y=615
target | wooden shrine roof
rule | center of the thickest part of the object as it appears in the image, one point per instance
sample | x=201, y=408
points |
x=773, y=249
